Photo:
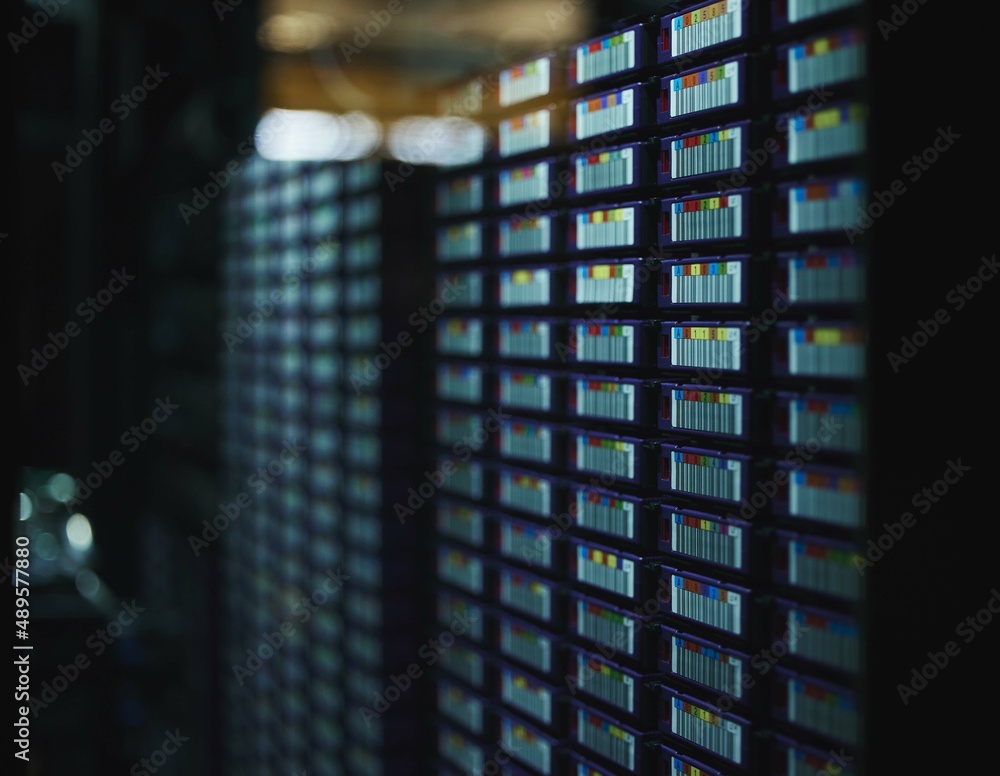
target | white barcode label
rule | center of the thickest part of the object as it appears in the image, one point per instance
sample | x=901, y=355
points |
x=462, y=337
x=605, y=682
x=824, y=207
x=524, y=82
x=714, y=411
x=606, y=56
x=526, y=746
x=706, y=153
x=525, y=390
x=706, y=729
x=466, y=288
x=601, y=399
x=826, y=711
x=800, y=10
x=613, y=343
x=461, y=523
x=611, y=456
x=708, y=604
x=611, y=112
x=524, y=133
x=454, y=427
x=708, y=89
x=606, y=739
x=459, y=706
x=826, y=61
x=526, y=595
x=466, y=481
x=525, y=235
x=462, y=195
x=707, y=539
x=711, y=218
x=715, y=282
x=463, y=663
x=808, y=417
x=605, y=228
x=604, y=170
x=460, y=752
x=605, y=283
x=605, y=570
x=524, y=339
x=460, y=383
x=825, y=569
x=825, y=279
x=706, y=26
x=607, y=514
x=463, y=241
x=524, y=287
x=831, y=352
x=706, y=475
x=526, y=441
x=524, y=184
x=828, y=642
x=526, y=695
x=714, y=347
x=832, y=498
x=527, y=493
x=463, y=571
x=707, y=666
x=525, y=542
x=603, y=626
x=838, y=131
x=525, y=645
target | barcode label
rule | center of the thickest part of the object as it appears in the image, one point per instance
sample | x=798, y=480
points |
x=711, y=218
x=702, y=727
x=826, y=711
x=526, y=746
x=459, y=706
x=460, y=337
x=525, y=390
x=525, y=645
x=526, y=595
x=454, y=427
x=614, y=343
x=606, y=739
x=818, y=278
x=820, y=207
x=802, y=763
x=830, y=352
x=605, y=283
x=460, y=522
x=808, y=417
x=826, y=61
x=714, y=87
x=605, y=682
x=523, y=541
x=527, y=493
x=467, y=480
x=832, y=498
x=706, y=153
x=715, y=282
x=611, y=456
x=604, y=170
x=714, y=347
x=528, y=441
x=604, y=626
x=705, y=475
x=467, y=289
x=605, y=228
x=524, y=287
x=524, y=133
x=825, y=134
x=605, y=114
x=460, y=383
x=524, y=339
x=449, y=607
x=601, y=58
x=709, y=540
x=460, y=752
x=524, y=184
x=528, y=696
x=800, y=10
x=824, y=569
x=709, y=25
x=708, y=604
x=707, y=666
x=829, y=642
x=714, y=411
x=462, y=195
x=605, y=570
x=607, y=514
x=463, y=571
x=602, y=399
x=525, y=235
x=463, y=241
x=524, y=82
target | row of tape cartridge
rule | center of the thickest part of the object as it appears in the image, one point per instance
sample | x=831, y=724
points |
x=647, y=386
